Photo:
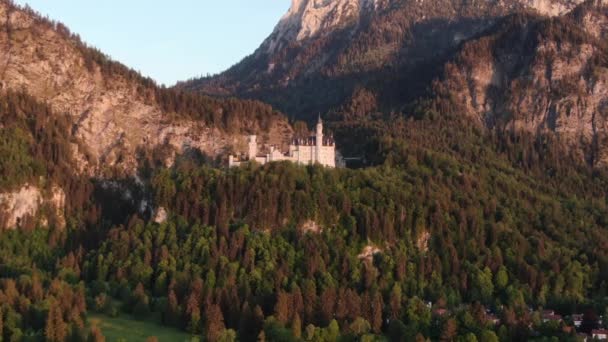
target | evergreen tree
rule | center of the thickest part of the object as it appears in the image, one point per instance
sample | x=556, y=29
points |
x=95, y=335
x=283, y=307
x=296, y=326
x=56, y=329
x=214, y=322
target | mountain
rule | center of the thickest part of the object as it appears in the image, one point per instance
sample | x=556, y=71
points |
x=322, y=50
x=502, y=64
x=116, y=112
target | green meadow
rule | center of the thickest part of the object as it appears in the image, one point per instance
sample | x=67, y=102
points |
x=127, y=329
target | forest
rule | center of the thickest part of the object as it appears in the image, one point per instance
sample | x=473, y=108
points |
x=462, y=237
x=445, y=230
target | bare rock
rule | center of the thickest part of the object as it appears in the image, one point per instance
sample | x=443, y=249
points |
x=27, y=203
x=368, y=252
x=161, y=215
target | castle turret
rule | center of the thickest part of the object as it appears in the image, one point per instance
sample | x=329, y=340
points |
x=319, y=142
x=253, y=147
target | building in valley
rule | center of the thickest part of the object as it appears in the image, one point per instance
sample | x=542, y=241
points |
x=314, y=149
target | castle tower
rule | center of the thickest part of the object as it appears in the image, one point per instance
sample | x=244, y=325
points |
x=253, y=147
x=319, y=138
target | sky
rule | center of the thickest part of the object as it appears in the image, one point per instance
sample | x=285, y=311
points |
x=173, y=40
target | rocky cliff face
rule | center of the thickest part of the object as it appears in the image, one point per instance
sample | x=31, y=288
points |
x=114, y=113
x=28, y=207
x=308, y=19
x=540, y=76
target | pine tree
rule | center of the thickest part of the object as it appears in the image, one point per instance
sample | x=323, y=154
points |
x=450, y=330
x=214, y=322
x=1, y=325
x=376, y=309
x=327, y=304
x=298, y=301
x=193, y=311
x=282, y=307
x=395, y=302
x=95, y=335
x=258, y=318
x=296, y=326
x=56, y=329
x=172, y=314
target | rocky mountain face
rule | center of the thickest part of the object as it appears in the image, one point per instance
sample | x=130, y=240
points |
x=321, y=51
x=311, y=19
x=539, y=76
x=115, y=112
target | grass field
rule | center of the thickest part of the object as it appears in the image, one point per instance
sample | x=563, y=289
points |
x=125, y=328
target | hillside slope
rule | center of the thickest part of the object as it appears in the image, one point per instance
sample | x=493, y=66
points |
x=538, y=76
x=114, y=110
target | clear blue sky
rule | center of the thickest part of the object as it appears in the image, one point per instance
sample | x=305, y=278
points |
x=169, y=40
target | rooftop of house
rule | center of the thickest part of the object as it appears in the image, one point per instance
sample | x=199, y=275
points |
x=552, y=317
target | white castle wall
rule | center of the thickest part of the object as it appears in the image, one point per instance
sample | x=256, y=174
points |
x=300, y=154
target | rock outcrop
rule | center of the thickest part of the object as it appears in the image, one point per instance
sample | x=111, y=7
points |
x=31, y=206
x=308, y=19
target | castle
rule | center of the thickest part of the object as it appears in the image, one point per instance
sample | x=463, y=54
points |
x=311, y=150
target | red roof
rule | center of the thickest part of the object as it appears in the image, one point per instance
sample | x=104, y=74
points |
x=553, y=317
x=441, y=312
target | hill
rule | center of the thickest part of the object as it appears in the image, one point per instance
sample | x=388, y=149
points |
x=113, y=110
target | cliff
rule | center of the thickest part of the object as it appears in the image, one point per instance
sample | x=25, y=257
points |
x=538, y=76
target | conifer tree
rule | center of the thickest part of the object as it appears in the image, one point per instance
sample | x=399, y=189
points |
x=56, y=328
x=282, y=307
x=214, y=320
x=296, y=326
x=95, y=335
x=1, y=325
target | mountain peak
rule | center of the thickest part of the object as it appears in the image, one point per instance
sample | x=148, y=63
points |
x=310, y=18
